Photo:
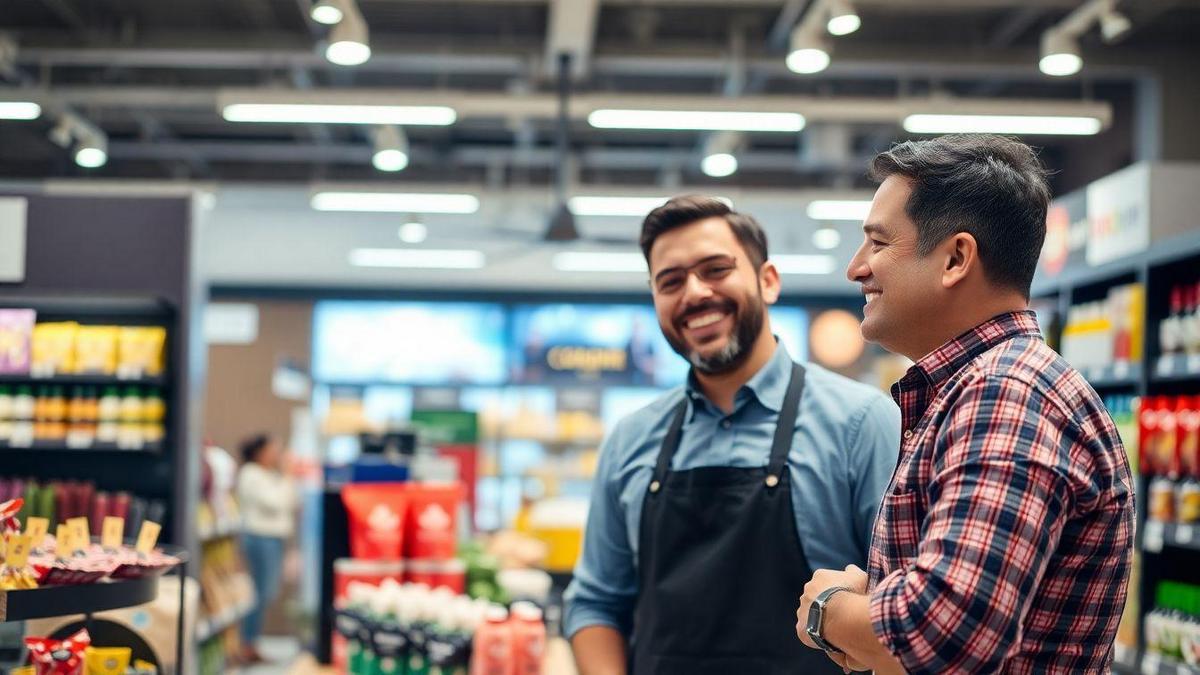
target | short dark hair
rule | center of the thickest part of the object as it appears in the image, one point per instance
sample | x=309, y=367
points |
x=687, y=209
x=252, y=447
x=991, y=187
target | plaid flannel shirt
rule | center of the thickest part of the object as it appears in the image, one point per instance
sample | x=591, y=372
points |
x=1005, y=540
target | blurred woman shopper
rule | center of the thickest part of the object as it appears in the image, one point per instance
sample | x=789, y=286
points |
x=267, y=499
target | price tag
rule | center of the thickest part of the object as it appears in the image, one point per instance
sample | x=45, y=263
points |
x=1193, y=364
x=62, y=538
x=1183, y=534
x=112, y=533
x=1121, y=370
x=1152, y=539
x=1164, y=366
x=1150, y=664
x=80, y=535
x=36, y=528
x=17, y=554
x=148, y=537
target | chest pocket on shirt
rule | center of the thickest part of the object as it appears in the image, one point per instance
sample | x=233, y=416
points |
x=900, y=519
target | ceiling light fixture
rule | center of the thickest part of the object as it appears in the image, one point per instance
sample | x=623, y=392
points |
x=1003, y=124
x=1060, y=54
x=392, y=202
x=720, y=159
x=305, y=113
x=19, y=110
x=809, y=50
x=827, y=239
x=1114, y=26
x=390, y=148
x=349, y=41
x=423, y=258
x=328, y=12
x=843, y=20
x=413, y=232
x=598, y=261
x=839, y=209
x=696, y=120
x=804, y=264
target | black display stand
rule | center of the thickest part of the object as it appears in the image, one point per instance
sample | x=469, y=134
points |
x=335, y=543
x=1168, y=551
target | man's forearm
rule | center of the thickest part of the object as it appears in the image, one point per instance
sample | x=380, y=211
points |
x=599, y=650
x=848, y=627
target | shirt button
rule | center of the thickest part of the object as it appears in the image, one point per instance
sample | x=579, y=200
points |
x=726, y=423
x=907, y=434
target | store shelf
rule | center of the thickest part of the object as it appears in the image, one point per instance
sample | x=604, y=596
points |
x=1153, y=664
x=62, y=446
x=1177, y=368
x=75, y=379
x=1157, y=535
x=91, y=305
x=51, y=601
x=1113, y=376
x=209, y=627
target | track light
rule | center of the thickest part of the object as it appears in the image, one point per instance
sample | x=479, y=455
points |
x=1114, y=26
x=720, y=159
x=92, y=151
x=349, y=40
x=328, y=12
x=89, y=144
x=1060, y=54
x=843, y=20
x=391, y=148
x=413, y=232
x=809, y=52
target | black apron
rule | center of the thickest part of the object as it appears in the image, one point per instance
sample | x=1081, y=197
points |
x=720, y=565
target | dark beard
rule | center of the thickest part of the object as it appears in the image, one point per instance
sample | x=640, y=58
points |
x=747, y=327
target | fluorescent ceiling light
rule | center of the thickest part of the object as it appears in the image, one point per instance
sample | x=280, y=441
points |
x=405, y=202
x=426, y=258
x=327, y=12
x=19, y=110
x=1002, y=124
x=413, y=232
x=305, y=113
x=594, y=261
x=1060, y=54
x=620, y=206
x=843, y=20
x=839, y=209
x=719, y=165
x=827, y=238
x=696, y=120
x=804, y=264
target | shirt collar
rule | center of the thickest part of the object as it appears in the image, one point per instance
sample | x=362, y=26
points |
x=937, y=367
x=769, y=385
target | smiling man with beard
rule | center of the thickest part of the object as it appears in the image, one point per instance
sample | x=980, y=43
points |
x=712, y=505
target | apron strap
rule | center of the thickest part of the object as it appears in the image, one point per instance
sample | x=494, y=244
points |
x=669, y=446
x=786, y=427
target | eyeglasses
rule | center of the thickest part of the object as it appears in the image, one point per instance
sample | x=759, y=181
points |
x=709, y=270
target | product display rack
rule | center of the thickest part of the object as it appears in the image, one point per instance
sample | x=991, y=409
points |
x=1170, y=551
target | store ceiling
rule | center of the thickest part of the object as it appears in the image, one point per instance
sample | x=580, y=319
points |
x=149, y=75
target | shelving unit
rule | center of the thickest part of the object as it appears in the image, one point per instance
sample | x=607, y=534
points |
x=1169, y=551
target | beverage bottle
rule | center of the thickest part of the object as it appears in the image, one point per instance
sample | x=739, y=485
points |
x=492, y=652
x=529, y=638
x=1168, y=330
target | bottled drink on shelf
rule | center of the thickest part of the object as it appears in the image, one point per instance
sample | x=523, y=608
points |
x=1170, y=330
x=529, y=638
x=493, y=649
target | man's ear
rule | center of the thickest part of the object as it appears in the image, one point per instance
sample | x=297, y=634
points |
x=960, y=256
x=768, y=280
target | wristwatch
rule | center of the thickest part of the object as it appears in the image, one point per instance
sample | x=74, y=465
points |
x=816, y=618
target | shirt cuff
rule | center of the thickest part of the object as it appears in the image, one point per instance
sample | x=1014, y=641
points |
x=891, y=621
x=579, y=616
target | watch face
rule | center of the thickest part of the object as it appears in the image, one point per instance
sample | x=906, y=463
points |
x=814, y=620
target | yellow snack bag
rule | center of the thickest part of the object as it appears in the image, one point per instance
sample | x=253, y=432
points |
x=96, y=350
x=107, y=660
x=140, y=350
x=53, y=348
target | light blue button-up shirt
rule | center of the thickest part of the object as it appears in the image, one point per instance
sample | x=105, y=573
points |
x=846, y=443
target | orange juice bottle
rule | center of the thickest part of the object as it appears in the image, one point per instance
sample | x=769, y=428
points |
x=492, y=652
x=529, y=638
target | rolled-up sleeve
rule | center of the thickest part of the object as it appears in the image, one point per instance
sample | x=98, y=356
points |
x=998, y=504
x=874, y=449
x=604, y=588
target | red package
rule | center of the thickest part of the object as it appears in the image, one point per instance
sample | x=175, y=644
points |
x=376, y=514
x=430, y=526
x=8, y=516
x=54, y=657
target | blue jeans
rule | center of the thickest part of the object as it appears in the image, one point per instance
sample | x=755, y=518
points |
x=264, y=556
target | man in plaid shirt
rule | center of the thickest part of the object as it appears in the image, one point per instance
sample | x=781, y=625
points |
x=1004, y=542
